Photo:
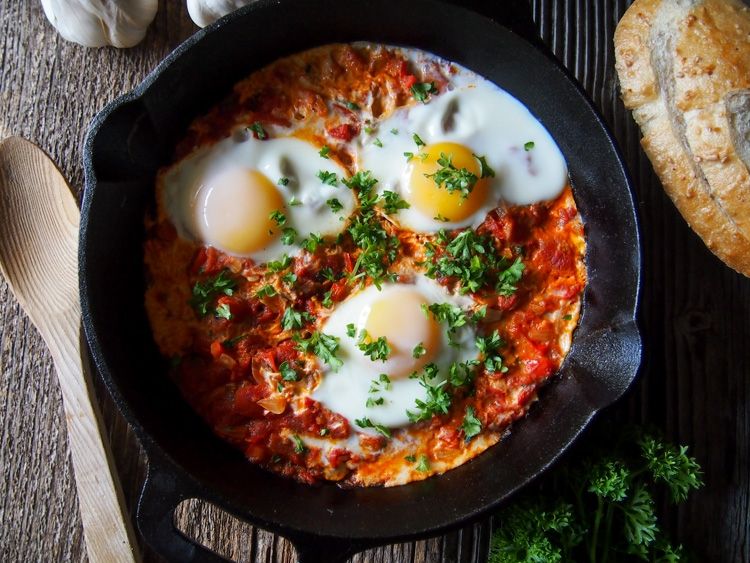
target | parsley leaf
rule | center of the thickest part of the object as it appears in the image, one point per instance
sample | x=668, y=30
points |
x=508, y=279
x=288, y=236
x=451, y=178
x=204, y=293
x=283, y=181
x=471, y=425
x=335, y=205
x=376, y=349
x=223, y=312
x=322, y=345
x=299, y=445
x=528, y=146
x=367, y=423
x=258, y=131
x=438, y=401
x=419, y=351
x=378, y=143
x=485, y=170
x=281, y=264
x=422, y=90
x=277, y=217
x=287, y=372
x=325, y=151
x=295, y=319
x=351, y=330
x=391, y=202
x=424, y=463
x=328, y=178
x=266, y=291
x=418, y=140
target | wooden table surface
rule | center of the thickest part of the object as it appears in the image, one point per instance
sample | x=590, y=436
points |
x=695, y=384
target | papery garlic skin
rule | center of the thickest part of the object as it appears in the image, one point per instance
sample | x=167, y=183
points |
x=205, y=12
x=97, y=23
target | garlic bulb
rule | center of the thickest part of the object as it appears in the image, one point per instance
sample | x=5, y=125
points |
x=204, y=12
x=96, y=23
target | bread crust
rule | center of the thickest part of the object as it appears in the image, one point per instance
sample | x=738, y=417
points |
x=676, y=89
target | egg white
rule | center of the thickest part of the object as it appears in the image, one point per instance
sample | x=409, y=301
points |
x=346, y=390
x=482, y=117
x=276, y=158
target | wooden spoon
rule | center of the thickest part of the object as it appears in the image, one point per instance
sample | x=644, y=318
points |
x=38, y=258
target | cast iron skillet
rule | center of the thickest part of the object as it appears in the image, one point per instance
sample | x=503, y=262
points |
x=133, y=136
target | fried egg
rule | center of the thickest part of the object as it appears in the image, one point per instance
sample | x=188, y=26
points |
x=256, y=198
x=384, y=391
x=407, y=149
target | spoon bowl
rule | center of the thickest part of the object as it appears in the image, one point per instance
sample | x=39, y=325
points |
x=38, y=258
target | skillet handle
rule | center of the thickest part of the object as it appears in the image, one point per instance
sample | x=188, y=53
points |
x=516, y=15
x=160, y=496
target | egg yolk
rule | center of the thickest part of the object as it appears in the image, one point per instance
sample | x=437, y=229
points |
x=399, y=318
x=433, y=200
x=235, y=211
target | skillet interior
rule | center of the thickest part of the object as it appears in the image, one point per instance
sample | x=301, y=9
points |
x=133, y=136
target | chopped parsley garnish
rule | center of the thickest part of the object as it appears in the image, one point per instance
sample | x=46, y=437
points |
x=394, y=131
x=567, y=317
x=266, y=291
x=528, y=146
x=295, y=319
x=485, y=170
x=410, y=458
x=391, y=202
x=452, y=315
x=281, y=264
x=327, y=300
x=335, y=205
x=328, y=178
x=471, y=424
x=223, y=312
x=324, y=432
x=325, y=151
x=294, y=201
x=382, y=383
x=368, y=129
x=289, y=278
x=509, y=278
x=462, y=373
x=473, y=260
x=422, y=90
x=299, y=445
x=352, y=106
x=367, y=423
x=374, y=402
x=328, y=274
x=419, y=351
x=424, y=463
x=288, y=236
x=441, y=218
x=258, y=131
x=362, y=181
x=204, y=293
x=451, y=178
x=438, y=400
x=287, y=372
x=376, y=349
x=322, y=345
x=312, y=242
x=493, y=363
x=421, y=156
x=284, y=181
x=378, y=143
x=351, y=330
x=418, y=140
x=277, y=217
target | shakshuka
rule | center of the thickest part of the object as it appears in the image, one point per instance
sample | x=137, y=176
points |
x=363, y=263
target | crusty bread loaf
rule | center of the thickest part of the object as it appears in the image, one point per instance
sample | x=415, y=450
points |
x=684, y=69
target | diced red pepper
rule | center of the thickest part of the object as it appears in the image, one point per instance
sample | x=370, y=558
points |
x=344, y=132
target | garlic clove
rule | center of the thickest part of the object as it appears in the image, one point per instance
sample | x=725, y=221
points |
x=97, y=23
x=204, y=12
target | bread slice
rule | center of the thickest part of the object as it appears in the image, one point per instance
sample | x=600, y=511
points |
x=681, y=91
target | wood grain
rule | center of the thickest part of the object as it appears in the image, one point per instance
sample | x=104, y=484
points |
x=38, y=236
x=695, y=383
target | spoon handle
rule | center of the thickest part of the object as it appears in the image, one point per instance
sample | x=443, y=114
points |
x=106, y=526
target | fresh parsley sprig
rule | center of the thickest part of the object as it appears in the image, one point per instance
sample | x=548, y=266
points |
x=599, y=507
x=322, y=345
x=453, y=179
